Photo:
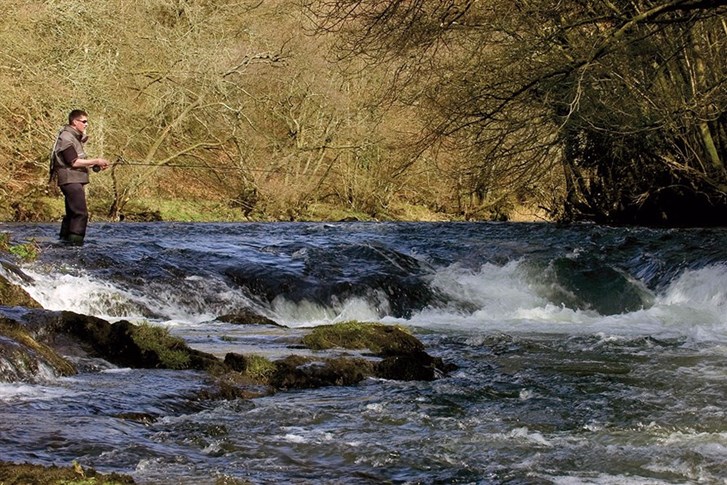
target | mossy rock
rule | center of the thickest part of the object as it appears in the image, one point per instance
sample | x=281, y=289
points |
x=138, y=346
x=25, y=473
x=12, y=294
x=403, y=355
x=22, y=357
x=256, y=367
x=417, y=366
x=300, y=372
x=381, y=340
x=295, y=371
x=171, y=352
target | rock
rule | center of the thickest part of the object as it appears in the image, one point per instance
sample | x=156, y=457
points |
x=121, y=343
x=256, y=374
x=137, y=346
x=247, y=316
x=382, y=340
x=236, y=362
x=24, y=359
x=146, y=419
x=33, y=340
x=299, y=372
x=404, y=357
x=417, y=366
x=12, y=294
x=17, y=474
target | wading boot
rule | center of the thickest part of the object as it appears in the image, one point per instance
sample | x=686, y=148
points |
x=74, y=240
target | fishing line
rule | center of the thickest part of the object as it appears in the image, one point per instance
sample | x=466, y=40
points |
x=121, y=161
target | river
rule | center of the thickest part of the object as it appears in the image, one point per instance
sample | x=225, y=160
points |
x=585, y=354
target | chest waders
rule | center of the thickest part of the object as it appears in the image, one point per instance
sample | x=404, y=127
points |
x=72, y=184
x=73, y=226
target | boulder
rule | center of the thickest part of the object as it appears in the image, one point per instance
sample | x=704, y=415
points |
x=33, y=340
x=299, y=372
x=403, y=355
x=379, y=339
x=12, y=294
x=24, y=359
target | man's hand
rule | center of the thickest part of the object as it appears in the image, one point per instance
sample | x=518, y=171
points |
x=100, y=164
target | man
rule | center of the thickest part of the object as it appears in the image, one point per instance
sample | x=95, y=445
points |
x=70, y=168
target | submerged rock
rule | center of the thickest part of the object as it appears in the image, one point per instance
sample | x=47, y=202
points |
x=416, y=366
x=247, y=316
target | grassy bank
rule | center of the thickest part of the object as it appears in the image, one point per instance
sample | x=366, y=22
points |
x=148, y=209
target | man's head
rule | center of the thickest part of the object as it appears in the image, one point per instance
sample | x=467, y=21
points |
x=78, y=119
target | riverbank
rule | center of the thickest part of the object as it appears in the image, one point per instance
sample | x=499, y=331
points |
x=51, y=209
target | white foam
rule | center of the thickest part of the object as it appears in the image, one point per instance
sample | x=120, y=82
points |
x=534, y=437
x=489, y=299
x=306, y=313
x=504, y=300
x=20, y=392
x=198, y=299
x=294, y=438
x=705, y=286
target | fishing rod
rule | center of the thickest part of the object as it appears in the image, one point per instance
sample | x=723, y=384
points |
x=121, y=161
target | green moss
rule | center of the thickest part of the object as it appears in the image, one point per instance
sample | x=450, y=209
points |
x=376, y=337
x=172, y=351
x=4, y=241
x=37, y=351
x=259, y=368
x=26, y=251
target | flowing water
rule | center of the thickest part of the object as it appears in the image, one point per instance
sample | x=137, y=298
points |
x=585, y=354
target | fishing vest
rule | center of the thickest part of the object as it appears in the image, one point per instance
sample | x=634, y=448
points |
x=60, y=169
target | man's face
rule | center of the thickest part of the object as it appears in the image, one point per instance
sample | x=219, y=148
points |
x=80, y=123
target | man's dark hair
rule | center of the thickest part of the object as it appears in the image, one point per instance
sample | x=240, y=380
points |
x=75, y=114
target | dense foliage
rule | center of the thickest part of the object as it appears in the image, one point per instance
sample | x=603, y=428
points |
x=607, y=111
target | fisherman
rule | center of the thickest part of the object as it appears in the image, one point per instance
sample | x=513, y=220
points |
x=69, y=165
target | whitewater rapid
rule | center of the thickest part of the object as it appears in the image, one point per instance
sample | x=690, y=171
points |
x=584, y=354
x=490, y=299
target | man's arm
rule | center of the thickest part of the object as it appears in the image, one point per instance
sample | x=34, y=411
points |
x=70, y=156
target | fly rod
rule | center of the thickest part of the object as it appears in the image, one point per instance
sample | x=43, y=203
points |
x=121, y=161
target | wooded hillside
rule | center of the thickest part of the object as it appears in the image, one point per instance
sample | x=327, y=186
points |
x=299, y=109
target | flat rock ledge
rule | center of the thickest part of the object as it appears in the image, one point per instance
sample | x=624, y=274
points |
x=37, y=344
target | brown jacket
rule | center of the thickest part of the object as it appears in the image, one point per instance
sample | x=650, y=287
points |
x=69, y=147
